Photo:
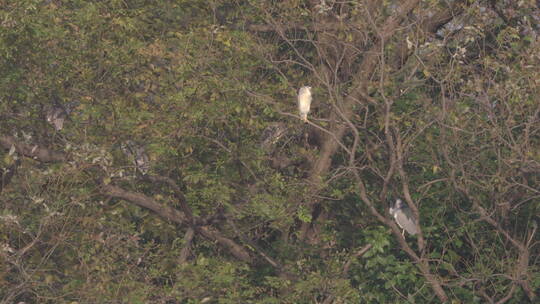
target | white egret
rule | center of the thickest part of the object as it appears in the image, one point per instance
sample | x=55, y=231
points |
x=304, y=102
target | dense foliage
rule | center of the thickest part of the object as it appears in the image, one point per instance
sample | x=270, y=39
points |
x=434, y=102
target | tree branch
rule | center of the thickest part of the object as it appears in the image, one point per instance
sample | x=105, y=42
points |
x=430, y=25
x=33, y=151
x=366, y=68
x=177, y=217
x=8, y=173
x=186, y=249
x=178, y=193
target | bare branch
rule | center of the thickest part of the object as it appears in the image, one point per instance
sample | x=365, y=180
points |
x=357, y=254
x=186, y=249
x=177, y=192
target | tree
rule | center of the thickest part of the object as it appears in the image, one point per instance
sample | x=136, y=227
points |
x=432, y=102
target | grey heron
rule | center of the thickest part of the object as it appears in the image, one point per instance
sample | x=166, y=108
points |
x=404, y=217
x=138, y=155
x=56, y=115
x=272, y=134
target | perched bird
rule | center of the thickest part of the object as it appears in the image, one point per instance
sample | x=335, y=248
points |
x=272, y=134
x=137, y=154
x=404, y=217
x=304, y=102
x=56, y=115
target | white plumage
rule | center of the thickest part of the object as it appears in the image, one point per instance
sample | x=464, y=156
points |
x=304, y=101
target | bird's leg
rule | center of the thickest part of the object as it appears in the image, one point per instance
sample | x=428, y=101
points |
x=403, y=232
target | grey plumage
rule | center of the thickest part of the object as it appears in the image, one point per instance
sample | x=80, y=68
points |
x=272, y=134
x=138, y=156
x=404, y=217
x=56, y=115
